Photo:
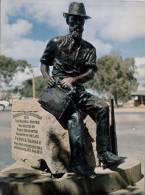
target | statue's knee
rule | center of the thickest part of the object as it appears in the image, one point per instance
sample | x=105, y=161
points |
x=75, y=128
x=74, y=119
x=104, y=110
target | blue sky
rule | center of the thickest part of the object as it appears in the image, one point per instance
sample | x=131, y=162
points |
x=115, y=26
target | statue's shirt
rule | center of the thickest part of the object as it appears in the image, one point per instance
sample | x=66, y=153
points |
x=69, y=58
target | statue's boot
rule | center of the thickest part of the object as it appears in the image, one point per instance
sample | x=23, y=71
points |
x=106, y=157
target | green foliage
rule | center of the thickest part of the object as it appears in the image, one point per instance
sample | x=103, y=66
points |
x=115, y=76
x=9, y=67
x=26, y=90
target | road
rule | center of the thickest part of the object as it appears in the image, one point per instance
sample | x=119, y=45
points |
x=130, y=133
x=5, y=144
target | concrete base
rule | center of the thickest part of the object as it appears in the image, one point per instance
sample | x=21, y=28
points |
x=21, y=179
x=137, y=189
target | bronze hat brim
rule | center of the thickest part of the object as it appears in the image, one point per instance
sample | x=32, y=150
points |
x=68, y=14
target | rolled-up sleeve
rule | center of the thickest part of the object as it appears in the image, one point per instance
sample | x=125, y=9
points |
x=49, y=53
x=91, y=59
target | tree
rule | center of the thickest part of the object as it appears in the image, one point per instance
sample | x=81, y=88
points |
x=26, y=90
x=115, y=76
x=8, y=68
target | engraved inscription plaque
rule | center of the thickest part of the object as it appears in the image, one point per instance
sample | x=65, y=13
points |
x=36, y=134
x=27, y=136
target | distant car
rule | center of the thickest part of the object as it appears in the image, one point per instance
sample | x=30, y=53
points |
x=3, y=104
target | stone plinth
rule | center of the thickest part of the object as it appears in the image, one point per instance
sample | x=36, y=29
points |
x=36, y=135
x=21, y=179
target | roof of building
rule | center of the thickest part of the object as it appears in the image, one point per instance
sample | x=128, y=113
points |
x=139, y=91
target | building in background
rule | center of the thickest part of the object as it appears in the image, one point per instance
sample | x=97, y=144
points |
x=139, y=96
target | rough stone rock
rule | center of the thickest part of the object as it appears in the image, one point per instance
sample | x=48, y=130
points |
x=37, y=135
x=20, y=180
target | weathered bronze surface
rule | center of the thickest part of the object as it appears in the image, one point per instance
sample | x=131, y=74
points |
x=74, y=62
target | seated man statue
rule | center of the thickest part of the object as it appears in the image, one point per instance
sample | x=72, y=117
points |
x=74, y=62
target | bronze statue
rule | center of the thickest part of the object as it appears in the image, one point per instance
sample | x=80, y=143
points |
x=74, y=62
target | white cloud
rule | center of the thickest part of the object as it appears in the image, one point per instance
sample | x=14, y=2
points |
x=139, y=60
x=140, y=64
x=135, y=0
x=112, y=20
x=14, y=43
x=90, y=35
x=49, y=12
x=125, y=26
x=118, y=20
x=14, y=32
x=22, y=76
x=121, y=20
x=25, y=49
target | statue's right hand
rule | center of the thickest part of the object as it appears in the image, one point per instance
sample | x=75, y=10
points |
x=50, y=81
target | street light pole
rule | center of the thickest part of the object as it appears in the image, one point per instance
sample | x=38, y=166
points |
x=33, y=84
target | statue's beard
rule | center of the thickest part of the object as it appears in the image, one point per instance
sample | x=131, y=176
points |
x=76, y=32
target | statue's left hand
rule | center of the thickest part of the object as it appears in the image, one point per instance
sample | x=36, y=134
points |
x=67, y=82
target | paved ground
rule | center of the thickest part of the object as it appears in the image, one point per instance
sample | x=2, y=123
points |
x=131, y=134
x=130, y=124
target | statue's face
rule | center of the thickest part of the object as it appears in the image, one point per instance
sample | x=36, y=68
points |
x=76, y=26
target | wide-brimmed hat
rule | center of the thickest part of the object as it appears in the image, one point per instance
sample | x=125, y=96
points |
x=77, y=9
